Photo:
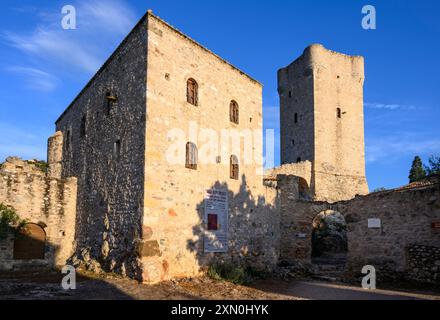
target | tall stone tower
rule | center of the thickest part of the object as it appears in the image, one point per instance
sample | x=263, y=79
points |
x=322, y=121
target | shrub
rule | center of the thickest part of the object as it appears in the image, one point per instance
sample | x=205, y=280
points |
x=9, y=218
x=229, y=272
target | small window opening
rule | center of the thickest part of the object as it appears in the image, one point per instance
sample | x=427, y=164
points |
x=234, y=168
x=83, y=125
x=68, y=140
x=296, y=117
x=298, y=159
x=111, y=100
x=191, y=156
x=117, y=150
x=338, y=113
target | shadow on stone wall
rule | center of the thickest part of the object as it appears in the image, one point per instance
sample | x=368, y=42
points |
x=253, y=231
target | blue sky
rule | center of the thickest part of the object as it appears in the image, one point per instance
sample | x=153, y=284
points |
x=43, y=67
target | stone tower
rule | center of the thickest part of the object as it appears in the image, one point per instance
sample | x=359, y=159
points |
x=321, y=112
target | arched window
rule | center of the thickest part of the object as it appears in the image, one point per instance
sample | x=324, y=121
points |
x=296, y=118
x=234, y=169
x=30, y=243
x=192, y=92
x=338, y=112
x=191, y=156
x=83, y=125
x=233, y=112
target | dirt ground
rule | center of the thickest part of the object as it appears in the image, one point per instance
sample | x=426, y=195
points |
x=47, y=286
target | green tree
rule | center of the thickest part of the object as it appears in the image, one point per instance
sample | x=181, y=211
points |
x=434, y=165
x=9, y=219
x=417, y=172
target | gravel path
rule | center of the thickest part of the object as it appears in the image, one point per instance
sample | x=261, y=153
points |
x=90, y=286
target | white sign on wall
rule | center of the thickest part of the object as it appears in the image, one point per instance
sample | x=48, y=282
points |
x=216, y=221
x=374, y=223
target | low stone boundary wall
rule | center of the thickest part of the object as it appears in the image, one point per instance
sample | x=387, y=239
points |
x=423, y=263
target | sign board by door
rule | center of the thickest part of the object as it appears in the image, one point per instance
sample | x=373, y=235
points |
x=216, y=221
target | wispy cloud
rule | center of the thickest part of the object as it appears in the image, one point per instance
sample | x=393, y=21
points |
x=394, y=106
x=98, y=24
x=393, y=148
x=35, y=78
x=18, y=142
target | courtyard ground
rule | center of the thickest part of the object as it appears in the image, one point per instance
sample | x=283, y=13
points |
x=47, y=285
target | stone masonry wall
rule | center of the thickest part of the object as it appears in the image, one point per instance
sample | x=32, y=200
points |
x=424, y=263
x=42, y=200
x=406, y=218
x=104, y=148
x=173, y=223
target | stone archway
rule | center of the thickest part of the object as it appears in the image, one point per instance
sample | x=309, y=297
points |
x=304, y=190
x=30, y=243
x=329, y=238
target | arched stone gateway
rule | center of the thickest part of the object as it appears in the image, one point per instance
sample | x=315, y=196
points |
x=30, y=243
x=329, y=238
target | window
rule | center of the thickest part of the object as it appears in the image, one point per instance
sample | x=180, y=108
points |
x=67, y=142
x=117, y=150
x=191, y=156
x=298, y=159
x=296, y=118
x=83, y=126
x=192, y=92
x=293, y=142
x=338, y=113
x=234, y=168
x=233, y=112
x=110, y=100
x=290, y=94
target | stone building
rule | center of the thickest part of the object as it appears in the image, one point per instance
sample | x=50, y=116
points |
x=322, y=121
x=128, y=136
x=155, y=170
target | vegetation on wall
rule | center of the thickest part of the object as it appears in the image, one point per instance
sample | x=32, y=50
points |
x=40, y=164
x=9, y=219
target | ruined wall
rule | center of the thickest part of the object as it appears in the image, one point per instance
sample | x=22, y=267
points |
x=106, y=153
x=173, y=223
x=42, y=200
x=314, y=87
x=406, y=217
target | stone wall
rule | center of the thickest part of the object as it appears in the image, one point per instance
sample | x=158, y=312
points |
x=423, y=263
x=406, y=217
x=173, y=222
x=43, y=200
x=104, y=147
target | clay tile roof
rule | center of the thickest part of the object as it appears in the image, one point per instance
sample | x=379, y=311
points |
x=421, y=184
